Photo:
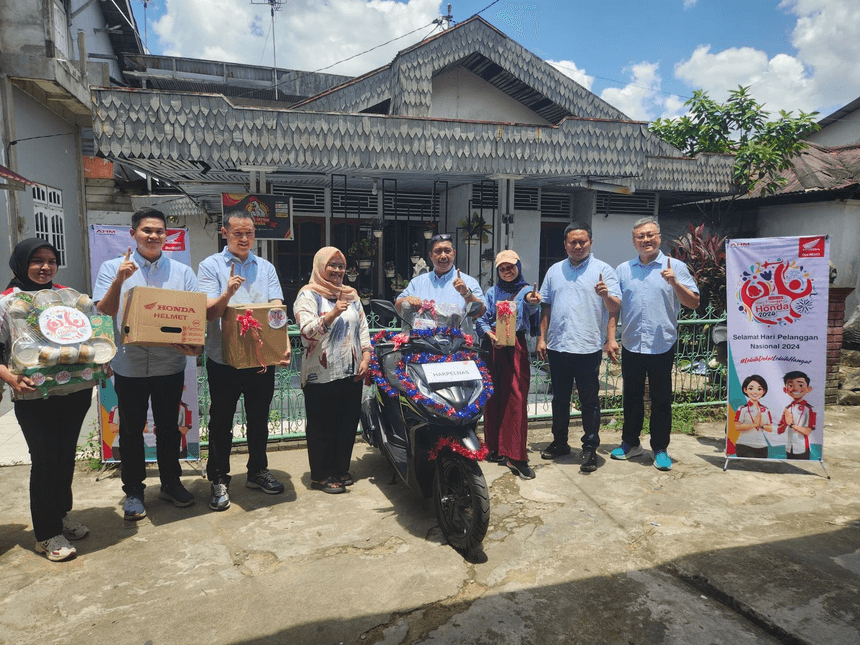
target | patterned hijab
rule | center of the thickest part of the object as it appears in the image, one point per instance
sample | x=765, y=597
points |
x=19, y=262
x=318, y=283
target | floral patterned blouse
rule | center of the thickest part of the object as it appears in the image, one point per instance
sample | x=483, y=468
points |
x=330, y=354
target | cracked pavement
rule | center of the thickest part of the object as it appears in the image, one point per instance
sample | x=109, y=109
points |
x=762, y=553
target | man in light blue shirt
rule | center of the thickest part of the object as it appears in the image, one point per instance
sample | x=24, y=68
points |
x=653, y=288
x=236, y=276
x=444, y=284
x=577, y=295
x=144, y=374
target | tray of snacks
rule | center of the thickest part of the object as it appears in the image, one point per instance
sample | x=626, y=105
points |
x=59, y=339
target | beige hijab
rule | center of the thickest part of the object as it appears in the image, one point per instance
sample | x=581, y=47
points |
x=318, y=283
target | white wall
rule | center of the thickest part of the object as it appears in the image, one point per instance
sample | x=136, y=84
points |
x=841, y=133
x=613, y=242
x=841, y=221
x=460, y=94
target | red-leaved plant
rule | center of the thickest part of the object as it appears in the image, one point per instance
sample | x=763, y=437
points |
x=705, y=254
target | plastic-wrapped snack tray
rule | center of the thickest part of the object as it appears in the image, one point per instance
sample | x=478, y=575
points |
x=59, y=339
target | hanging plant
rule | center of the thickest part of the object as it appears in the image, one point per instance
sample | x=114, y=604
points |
x=389, y=269
x=352, y=274
x=475, y=228
x=399, y=283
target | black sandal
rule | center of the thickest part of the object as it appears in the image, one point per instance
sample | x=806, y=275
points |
x=330, y=485
x=346, y=479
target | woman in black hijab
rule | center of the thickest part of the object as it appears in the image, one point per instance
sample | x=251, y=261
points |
x=52, y=425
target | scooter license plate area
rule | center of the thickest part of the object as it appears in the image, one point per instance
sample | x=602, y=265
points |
x=439, y=374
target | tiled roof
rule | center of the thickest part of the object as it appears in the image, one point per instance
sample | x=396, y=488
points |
x=818, y=168
x=208, y=131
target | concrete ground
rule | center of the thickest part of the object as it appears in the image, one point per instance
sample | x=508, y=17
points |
x=762, y=553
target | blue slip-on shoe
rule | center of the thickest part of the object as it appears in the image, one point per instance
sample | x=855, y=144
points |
x=133, y=509
x=626, y=452
x=177, y=494
x=662, y=461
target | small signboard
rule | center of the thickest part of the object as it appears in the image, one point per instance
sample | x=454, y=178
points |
x=272, y=214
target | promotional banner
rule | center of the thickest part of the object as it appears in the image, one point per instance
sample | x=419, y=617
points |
x=777, y=292
x=273, y=214
x=108, y=242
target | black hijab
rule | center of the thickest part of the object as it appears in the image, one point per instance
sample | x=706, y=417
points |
x=20, y=263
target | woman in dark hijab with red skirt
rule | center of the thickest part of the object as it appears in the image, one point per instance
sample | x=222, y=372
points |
x=52, y=425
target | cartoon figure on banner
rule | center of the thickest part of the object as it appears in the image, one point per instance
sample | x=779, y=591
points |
x=798, y=418
x=776, y=293
x=753, y=420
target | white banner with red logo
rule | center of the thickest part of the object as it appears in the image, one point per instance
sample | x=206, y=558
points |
x=106, y=243
x=777, y=301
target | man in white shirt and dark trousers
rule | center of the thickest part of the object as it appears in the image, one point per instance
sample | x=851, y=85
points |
x=236, y=276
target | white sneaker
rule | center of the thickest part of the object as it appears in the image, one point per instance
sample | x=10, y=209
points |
x=57, y=548
x=74, y=530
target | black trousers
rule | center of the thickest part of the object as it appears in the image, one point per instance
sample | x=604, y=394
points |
x=226, y=384
x=332, y=410
x=658, y=370
x=564, y=369
x=133, y=399
x=51, y=428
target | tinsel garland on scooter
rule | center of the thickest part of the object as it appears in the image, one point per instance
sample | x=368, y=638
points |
x=408, y=384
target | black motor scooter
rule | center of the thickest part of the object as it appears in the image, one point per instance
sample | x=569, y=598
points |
x=431, y=388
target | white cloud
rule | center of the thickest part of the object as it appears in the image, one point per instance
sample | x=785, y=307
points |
x=689, y=3
x=642, y=99
x=569, y=69
x=309, y=34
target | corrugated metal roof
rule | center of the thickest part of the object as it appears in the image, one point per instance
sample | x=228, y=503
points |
x=819, y=168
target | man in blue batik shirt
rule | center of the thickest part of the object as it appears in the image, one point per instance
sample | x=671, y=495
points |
x=653, y=288
x=144, y=374
x=577, y=295
x=236, y=276
x=444, y=284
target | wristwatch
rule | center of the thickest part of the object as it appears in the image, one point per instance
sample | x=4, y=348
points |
x=468, y=293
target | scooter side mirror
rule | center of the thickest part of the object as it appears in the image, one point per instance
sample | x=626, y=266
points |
x=473, y=308
x=384, y=309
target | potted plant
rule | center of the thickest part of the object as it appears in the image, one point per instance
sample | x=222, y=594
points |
x=415, y=254
x=365, y=295
x=487, y=258
x=398, y=284
x=389, y=269
x=377, y=225
x=352, y=274
x=475, y=228
x=705, y=255
x=429, y=229
x=363, y=251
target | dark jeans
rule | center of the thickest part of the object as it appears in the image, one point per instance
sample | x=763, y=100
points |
x=51, y=428
x=133, y=398
x=658, y=369
x=226, y=384
x=564, y=369
x=332, y=410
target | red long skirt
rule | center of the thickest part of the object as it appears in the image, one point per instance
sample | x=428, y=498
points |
x=505, y=416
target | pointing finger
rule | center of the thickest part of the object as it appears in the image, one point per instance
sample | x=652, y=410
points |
x=668, y=263
x=232, y=269
x=534, y=290
x=458, y=273
x=128, y=254
x=600, y=277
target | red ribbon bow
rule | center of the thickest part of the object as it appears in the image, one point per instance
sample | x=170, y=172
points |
x=248, y=322
x=504, y=308
x=400, y=339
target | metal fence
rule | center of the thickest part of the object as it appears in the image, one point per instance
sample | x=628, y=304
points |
x=698, y=379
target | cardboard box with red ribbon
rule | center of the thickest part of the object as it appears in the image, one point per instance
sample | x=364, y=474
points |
x=506, y=323
x=254, y=335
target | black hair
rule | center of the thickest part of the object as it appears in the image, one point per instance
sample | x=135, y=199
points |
x=577, y=226
x=793, y=375
x=144, y=213
x=235, y=214
x=755, y=378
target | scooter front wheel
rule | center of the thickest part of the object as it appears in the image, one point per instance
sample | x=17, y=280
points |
x=461, y=500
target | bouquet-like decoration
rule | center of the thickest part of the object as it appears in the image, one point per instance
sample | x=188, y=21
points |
x=249, y=323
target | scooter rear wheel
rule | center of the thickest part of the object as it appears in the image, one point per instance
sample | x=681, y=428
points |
x=461, y=500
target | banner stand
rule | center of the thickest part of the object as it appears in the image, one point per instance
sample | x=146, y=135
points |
x=777, y=311
x=793, y=462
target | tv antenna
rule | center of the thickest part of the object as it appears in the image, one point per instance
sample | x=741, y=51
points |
x=146, y=4
x=274, y=5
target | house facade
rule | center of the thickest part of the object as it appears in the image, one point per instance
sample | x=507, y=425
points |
x=50, y=54
x=464, y=126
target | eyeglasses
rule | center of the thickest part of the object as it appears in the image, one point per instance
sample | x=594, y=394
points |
x=645, y=236
x=441, y=237
x=242, y=236
x=336, y=267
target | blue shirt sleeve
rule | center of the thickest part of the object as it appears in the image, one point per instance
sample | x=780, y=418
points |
x=612, y=282
x=207, y=277
x=486, y=322
x=683, y=276
x=107, y=272
x=275, y=291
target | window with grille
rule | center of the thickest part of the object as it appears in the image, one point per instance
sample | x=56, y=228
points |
x=48, y=216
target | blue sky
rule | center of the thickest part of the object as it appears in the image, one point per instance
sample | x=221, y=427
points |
x=643, y=56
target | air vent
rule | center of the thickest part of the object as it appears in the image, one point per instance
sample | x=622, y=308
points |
x=555, y=204
x=641, y=204
x=526, y=199
x=306, y=199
